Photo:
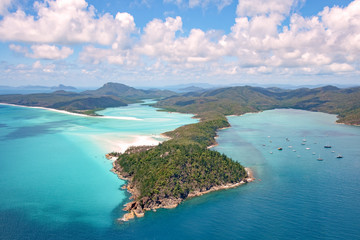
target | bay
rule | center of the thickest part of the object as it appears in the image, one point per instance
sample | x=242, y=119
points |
x=294, y=197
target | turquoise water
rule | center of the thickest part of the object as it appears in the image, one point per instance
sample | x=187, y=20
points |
x=53, y=170
x=55, y=182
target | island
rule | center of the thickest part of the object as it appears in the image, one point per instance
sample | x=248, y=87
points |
x=184, y=166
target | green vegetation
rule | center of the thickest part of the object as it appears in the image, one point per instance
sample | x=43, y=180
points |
x=173, y=170
x=183, y=164
x=202, y=133
x=166, y=174
x=109, y=95
x=128, y=93
x=239, y=100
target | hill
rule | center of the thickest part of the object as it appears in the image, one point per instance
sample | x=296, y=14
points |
x=109, y=95
x=183, y=167
x=239, y=100
x=128, y=93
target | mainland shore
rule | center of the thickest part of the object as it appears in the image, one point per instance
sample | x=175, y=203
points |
x=74, y=114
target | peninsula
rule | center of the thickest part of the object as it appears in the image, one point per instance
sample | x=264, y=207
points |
x=165, y=175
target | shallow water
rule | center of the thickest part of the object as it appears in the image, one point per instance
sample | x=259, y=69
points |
x=53, y=171
x=55, y=182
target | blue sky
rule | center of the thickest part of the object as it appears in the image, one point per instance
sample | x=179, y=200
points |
x=168, y=42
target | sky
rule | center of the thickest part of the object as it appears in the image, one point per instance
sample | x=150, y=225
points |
x=167, y=42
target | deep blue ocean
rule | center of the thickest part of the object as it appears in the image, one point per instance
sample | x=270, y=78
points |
x=55, y=181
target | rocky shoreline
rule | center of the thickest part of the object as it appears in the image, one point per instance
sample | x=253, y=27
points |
x=137, y=208
x=216, y=144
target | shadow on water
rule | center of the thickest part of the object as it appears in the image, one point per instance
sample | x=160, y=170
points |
x=36, y=130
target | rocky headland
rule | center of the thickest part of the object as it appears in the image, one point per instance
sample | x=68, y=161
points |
x=140, y=204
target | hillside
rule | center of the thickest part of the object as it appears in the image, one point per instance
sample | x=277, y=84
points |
x=183, y=167
x=128, y=93
x=109, y=95
x=239, y=100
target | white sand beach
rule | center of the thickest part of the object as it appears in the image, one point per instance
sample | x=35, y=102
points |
x=75, y=114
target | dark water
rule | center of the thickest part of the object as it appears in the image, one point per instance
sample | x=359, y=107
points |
x=294, y=197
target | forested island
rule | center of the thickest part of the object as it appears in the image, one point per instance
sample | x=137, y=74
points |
x=184, y=166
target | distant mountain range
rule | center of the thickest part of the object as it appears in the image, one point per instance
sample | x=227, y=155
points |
x=128, y=93
x=34, y=87
x=227, y=101
x=239, y=100
x=109, y=95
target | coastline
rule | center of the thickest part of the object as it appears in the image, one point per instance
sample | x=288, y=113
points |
x=113, y=143
x=72, y=113
x=249, y=178
x=216, y=144
x=134, y=209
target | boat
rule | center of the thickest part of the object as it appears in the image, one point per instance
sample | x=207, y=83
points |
x=327, y=146
x=319, y=158
x=307, y=148
x=302, y=143
x=339, y=156
x=280, y=148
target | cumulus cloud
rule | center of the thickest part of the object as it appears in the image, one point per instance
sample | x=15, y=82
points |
x=252, y=8
x=255, y=45
x=43, y=51
x=329, y=40
x=159, y=41
x=66, y=21
x=220, y=4
x=94, y=55
x=4, y=5
x=341, y=67
x=258, y=42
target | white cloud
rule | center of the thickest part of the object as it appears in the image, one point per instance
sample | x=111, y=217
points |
x=4, y=5
x=94, y=55
x=325, y=43
x=341, y=67
x=43, y=51
x=37, y=65
x=220, y=4
x=252, y=8
x=66, y=21
x=18, y=49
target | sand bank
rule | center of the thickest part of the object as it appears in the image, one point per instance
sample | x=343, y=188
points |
x=115, y=142
x=75, y=114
